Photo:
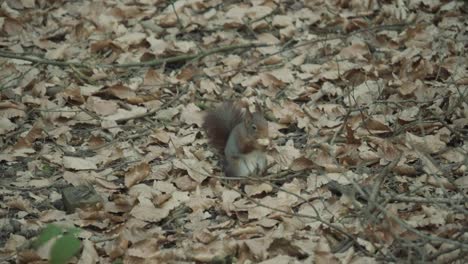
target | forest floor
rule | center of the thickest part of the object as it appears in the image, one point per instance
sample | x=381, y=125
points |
x=367, y=103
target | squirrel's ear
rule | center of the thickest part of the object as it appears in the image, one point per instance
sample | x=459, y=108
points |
x=248, y=116
x=258, y=108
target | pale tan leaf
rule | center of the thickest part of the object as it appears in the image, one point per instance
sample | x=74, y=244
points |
x=137, y=174
x=191, y=114
x=6, y=125
x=79, y=163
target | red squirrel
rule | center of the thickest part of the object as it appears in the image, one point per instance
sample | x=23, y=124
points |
x=241, y=136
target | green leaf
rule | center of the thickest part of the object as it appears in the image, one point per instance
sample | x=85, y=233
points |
x=73, y=231
x=64, y=249
x=49, y=232
x=117, y=261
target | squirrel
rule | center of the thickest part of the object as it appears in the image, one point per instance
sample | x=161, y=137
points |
x=241, y=137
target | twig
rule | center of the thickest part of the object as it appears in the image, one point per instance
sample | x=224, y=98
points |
x=407, y=199
x=150, y=63
x=149, y=113
x=409, y=228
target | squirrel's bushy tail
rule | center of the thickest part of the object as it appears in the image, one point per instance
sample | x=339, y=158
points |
x=220, y=122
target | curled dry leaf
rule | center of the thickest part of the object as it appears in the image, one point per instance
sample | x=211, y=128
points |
x=137, y=174
x=130, y=38
x=161, y=136
x=204, y=236
x=326, y=161
x=101, y=107
x=323, y=253
x=252, y=190
x=258, y=212
x=285, y=155
x=185, y=183
x=167, y=114
x=301, y=163
x=197, y=170
x=121, y=114
x=199, y=203
x=6, y=125
x=429, y=144
x=191, y=114
x=20, y=204
x=462, y=182
x=228, y=198
x=89, y=253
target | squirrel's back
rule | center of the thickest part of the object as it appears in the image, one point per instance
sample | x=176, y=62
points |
x=219, y=123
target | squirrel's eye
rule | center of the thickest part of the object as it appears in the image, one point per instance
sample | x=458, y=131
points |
x=254, y=127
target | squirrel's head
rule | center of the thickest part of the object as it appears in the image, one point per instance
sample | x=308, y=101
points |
x=257, y=128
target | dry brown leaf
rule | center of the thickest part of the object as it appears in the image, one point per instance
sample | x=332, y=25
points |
x=130, y=38
x=191, y=114
x=258, y=212
x=323, y=253
x=77, y=163
x=357, y=51
x=429, y=144
x=137, y=174
x=167, y=114
x=200, y=203
x=161, y=136
x=101, y=107
x=19, y=203
x=258, y=247
x=252, y=190
x=197, y=170
x=204, y=236
x=462, y=182
x=325, y=160
x=89, y=253
x=185, y=183
x=228, y=198
x=6, y=125
x=144, y=249
x=149, y=213
x=301, y=163
x=285, y=155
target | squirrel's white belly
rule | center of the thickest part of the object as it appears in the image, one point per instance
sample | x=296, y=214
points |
x=252, y=164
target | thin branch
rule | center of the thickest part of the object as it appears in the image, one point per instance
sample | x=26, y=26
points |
x=150, y=63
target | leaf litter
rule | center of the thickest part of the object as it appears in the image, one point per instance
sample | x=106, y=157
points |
x=368, y=109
